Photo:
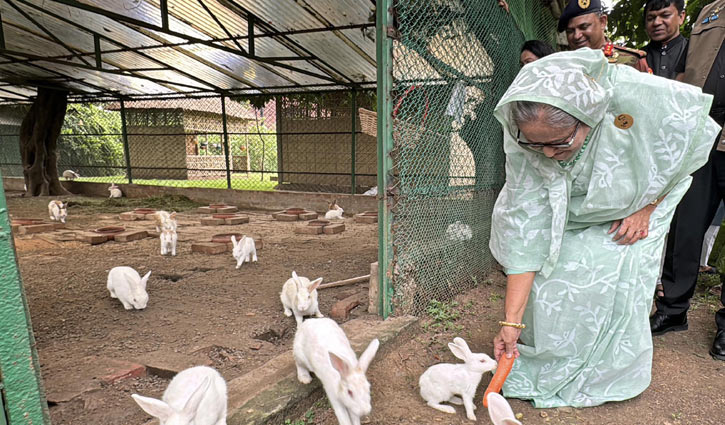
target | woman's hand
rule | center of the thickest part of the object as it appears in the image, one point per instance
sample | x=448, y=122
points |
x=505, y=342
x=632, y=228
x=504, y=5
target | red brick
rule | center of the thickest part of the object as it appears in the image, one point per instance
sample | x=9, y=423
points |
x=227, y=210
x=131, y=235
x=367, y=219
x=130, y=216
x=36, y=228
x=275, y=214
x=237, y=220
x=123, y=370
x=205, y=210
x=308, y=230
x=91, y=238
x=332, y=229
x=287, y=217
x=209, y=248
x=308, y=216
x=341, y=309
x=212, y=221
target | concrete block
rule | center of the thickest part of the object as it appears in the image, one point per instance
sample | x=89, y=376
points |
x=308, y=216
x=308, y=230
x=209, y=248
x=332, y=229
x=120, y=369
x=36, y=228
x=287, y=217
x=236, y=220
x=341, y=310
x=130, y=235
x=91, y=238
x=212, y=221
x=367, y=219
x=130, y=216
x=205, y=210
x=227, y=210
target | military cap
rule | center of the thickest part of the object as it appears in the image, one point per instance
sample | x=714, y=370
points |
x=577, y=8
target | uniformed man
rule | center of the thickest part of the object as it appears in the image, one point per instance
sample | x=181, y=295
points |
x=585, y=22
x=662, y=21
x=704, y=66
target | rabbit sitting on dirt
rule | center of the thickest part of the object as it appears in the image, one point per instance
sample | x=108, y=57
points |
x=115, y=191
x=125, y=284
x=196, y=396
x=446, y=381
x=58, y=211
x=166, y=226
x=244, y=250
x=500, y=411
x=320, y=346
x=335, y=212
x=299, y=297
x=70, y=175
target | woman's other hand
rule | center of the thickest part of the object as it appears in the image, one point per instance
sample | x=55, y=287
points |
x=633, y=228
x=505, y=342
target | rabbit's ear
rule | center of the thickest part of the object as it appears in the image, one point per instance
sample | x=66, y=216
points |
x=154, y=407
x=458, y=351
x=340, y=365
x=296, y=279
x=315, y=283
x=192, y=404
x=367, y=356
x=500, y=411
x=173, y=216
x=462, y=343
x=234, y=241
x=145, y=279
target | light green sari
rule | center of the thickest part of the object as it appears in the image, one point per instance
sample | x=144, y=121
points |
x=587, y=339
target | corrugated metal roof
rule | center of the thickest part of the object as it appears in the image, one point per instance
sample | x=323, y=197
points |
x=201, y=47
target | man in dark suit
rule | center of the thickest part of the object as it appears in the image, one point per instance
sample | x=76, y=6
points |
x=662, y=20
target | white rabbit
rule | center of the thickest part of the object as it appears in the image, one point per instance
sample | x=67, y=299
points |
x=115, y=191
x=445, y=381
x=321, y=347
x=335, y=212
x=166, y=226
x=196, y=396
x=373, y=191
x=70, y=175
x=299, y=297
x=125, y=284
x=244, y=250
x=58, y=211
x=500, y=411
x=459, y=232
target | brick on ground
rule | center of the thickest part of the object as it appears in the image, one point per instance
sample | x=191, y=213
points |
x=130, y=216
x=212, y=221
x=341, y=309
x=308, y=215
x=227, y=210
x=332, y=229
x=131, y=235
x=209, y=248
x=287, y=217
x=117, y=370
x=308, y=230
x=36, y=228
x=236, y=220
x=58, y=225
x=91, y=238
x=367, y=219
x=205, y=210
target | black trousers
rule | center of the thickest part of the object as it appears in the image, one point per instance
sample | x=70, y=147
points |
x=687, y=231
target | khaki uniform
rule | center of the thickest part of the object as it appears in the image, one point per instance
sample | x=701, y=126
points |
x=626, y=56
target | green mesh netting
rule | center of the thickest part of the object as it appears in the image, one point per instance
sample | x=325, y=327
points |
x=453, y=60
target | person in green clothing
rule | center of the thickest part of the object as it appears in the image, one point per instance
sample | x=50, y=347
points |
x=597, y=158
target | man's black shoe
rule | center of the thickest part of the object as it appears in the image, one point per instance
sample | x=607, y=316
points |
x=718, y=346
x=661, y=323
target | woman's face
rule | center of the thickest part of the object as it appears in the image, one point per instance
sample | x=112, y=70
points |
x=539, y=132
x=527, y=57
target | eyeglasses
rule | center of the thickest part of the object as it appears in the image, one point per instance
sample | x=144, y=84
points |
x=539, y=146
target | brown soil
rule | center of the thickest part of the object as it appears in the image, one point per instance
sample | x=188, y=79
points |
x=688, y=386
x=200, y=306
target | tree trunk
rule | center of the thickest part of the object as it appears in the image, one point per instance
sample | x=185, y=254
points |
x=39, y=133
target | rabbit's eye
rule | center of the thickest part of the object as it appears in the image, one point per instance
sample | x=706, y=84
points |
x=350, y=393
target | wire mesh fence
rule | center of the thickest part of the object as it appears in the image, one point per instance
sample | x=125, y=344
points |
x=452, y=61
x=308, y=142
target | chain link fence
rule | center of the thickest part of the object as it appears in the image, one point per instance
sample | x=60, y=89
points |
x=452, y=61
x=307, y=142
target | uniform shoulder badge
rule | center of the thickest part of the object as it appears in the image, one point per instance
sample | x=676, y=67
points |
x=639, y=53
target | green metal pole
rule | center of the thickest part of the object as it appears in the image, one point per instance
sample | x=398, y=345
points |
x=226, y=142
x=124, y=136
x=384, y=53
x=353, y=181
x=22, y=391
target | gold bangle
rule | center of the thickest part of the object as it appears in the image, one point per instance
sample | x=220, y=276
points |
x=513, y=325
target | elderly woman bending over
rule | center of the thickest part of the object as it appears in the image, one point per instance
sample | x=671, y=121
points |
x=597, y=158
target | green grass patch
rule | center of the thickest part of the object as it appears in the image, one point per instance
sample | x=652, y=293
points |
x=166, y=202
x=443, y=316
x=240, y=181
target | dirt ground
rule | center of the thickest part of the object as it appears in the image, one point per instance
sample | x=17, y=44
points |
x=201, y=309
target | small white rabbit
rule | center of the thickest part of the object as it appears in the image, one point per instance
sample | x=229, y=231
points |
x=244, y=250
x=115, y=191
x=335, y=212
x=70, y=175
x=166, y=226
x=196, y=396
x=299, y=297
x=459, y=232
x=58, y=211
x=500, y=411
x=373, y=191
x=321, y=347
x=125, y=284
x=446, y=381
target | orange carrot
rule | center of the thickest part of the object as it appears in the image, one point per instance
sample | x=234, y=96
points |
x=502, y=371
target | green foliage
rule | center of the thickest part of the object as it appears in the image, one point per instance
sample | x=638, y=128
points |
x=91, y=135
x=166, y=202
x=626, y=21
x=262, y=147
x=443, y=315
